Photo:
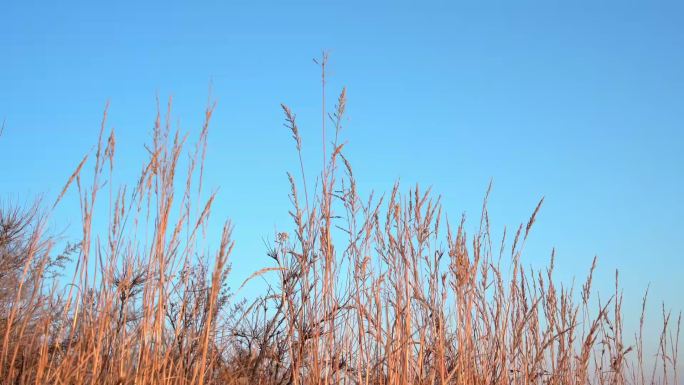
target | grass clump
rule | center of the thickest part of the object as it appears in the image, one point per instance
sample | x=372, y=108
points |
x=363, y=290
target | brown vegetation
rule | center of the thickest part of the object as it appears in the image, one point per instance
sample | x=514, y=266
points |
x=364, y=290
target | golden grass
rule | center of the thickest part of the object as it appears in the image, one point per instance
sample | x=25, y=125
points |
x=364, y=290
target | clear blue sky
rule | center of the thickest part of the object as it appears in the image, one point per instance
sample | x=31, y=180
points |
x=581, y=103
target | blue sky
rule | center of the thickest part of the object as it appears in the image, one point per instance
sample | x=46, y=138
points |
x=581, y=103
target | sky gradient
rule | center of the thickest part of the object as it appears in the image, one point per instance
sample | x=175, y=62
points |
x=582, y=104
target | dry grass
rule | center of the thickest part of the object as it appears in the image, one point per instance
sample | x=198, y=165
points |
x=365, y=290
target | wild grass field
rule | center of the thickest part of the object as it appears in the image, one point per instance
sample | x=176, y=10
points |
x=379, y=289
